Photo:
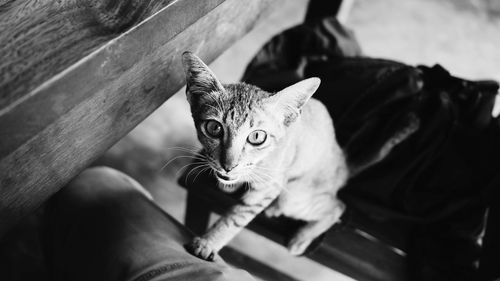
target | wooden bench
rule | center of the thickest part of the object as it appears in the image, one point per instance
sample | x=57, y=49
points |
x=76, y=76
x=360, y=248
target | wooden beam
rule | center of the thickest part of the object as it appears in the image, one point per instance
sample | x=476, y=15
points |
x=52, y=130
x=39, y=39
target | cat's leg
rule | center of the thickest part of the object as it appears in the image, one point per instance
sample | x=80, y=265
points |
x=274, y=210
x=313, y=229
x=230, y=224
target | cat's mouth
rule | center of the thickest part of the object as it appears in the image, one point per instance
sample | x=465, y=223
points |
x=222, y=176
x=225, y=179
x=228, y=184
x=229, y=188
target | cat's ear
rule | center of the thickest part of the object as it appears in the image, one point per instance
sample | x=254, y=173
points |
x=291, y=99
x=200, y=80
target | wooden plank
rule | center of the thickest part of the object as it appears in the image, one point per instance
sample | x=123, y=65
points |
x=256, y=268
x=49, y=134
x=39, y=39
x=360, y=257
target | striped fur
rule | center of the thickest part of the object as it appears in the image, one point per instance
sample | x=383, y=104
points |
x=295, y=172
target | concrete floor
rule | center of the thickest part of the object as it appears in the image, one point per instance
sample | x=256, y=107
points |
x=463, y=36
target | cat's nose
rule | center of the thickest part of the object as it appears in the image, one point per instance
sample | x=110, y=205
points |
x=228, y=168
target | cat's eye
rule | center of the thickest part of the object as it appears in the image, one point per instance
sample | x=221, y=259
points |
x=213, y=128
x=257, y=137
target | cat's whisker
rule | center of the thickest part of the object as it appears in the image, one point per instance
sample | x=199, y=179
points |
x=258, y=178
x=197, y=163
x=270, y=179
x=264, y=175
x=268, y=169
x=267, y=178
x=212, y=171
x=190, y=148
x=195, y=153
x=194, y=169
x=253, y=179
x=187, y=165
x=248, y=177
x=201, y=171
x=178, y=157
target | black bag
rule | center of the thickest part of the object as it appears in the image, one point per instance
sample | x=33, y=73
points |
x=434, y=183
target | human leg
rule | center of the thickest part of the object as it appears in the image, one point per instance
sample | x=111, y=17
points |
x=103, y=226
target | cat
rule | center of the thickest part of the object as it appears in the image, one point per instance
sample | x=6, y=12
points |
x=282, y=145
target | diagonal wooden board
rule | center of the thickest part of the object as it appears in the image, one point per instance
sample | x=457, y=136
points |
x=52, y=132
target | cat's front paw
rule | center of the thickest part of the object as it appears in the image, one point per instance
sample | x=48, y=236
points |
x=298, y=244
x=273, y=211
x=201, y=248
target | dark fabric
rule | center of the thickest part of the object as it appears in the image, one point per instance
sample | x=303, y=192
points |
x=436, y=181
x=318, y=9
x=103, y=227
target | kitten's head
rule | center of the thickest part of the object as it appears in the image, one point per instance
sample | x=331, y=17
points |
x=239, y=125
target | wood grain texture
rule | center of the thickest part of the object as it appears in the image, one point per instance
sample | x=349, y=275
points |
x=51, y=131
x=263, y=271
x=41, y=38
